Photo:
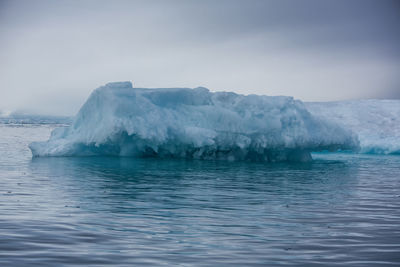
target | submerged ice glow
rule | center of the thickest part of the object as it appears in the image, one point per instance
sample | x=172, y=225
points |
x=193, y=123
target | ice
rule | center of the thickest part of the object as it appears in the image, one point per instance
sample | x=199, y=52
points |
x=26, y=118
x=119, y=120
x=376, y=122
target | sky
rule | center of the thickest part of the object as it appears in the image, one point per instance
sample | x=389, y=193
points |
x=54, y=53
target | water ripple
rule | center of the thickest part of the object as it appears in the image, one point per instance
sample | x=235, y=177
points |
x=340, y=209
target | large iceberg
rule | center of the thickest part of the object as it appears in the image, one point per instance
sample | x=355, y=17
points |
x=195, y=123
x=376, y=122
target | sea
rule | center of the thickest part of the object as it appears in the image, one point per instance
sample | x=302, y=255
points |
x=341, y=209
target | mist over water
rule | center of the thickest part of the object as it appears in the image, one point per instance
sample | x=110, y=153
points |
x=340, y=209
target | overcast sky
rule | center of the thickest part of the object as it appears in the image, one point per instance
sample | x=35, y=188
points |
x=54, y=53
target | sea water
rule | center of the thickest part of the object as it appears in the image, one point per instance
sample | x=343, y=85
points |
x=339, y=209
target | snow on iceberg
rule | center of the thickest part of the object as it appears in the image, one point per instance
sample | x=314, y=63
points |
x=376, y=122
x=193, y=123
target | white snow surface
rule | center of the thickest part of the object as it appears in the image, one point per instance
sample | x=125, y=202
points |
x=376, y=122
x=194, y=123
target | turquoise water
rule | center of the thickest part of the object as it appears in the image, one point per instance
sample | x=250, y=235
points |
x=340, y=209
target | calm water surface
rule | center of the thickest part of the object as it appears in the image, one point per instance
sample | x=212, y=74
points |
x=341, y=209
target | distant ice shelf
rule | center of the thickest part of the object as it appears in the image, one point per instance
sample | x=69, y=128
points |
x=34, y=119
x=119, y=120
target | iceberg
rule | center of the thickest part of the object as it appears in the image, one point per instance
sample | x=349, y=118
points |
x=376, y=122
x=118, y=120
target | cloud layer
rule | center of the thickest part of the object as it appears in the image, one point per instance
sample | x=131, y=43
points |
x=53, y=53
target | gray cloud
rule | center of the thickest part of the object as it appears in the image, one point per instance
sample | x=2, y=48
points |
x=53, y=53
